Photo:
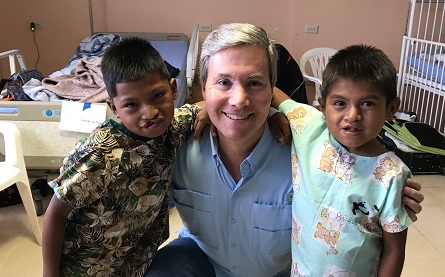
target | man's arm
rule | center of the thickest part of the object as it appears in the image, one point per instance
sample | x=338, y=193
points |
x=393, y=253
x=412, y=197
x=53, y=236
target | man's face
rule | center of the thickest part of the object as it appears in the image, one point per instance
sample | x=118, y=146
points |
x=238, y=92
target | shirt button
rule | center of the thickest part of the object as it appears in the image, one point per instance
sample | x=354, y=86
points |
x=233, y=220
x=233, y=245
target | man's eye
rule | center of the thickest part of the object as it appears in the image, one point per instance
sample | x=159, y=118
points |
x=223, y=82
x=255, y=83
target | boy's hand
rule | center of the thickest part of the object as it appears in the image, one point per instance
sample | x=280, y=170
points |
x=412, y=197
x=279, y=125
x=202, y=118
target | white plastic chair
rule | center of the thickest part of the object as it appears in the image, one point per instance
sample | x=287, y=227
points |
x=318, y=58
x=13, y=170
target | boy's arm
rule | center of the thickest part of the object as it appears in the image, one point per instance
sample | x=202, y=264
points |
x=393, y=253
x=278, y=123
x=53, y=236
x=279, y=126
x=278, y=97
x=201, y=120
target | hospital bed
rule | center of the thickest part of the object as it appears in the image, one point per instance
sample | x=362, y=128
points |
x=44, y=145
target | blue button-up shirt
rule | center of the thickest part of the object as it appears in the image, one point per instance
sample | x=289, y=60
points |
x=244, y=227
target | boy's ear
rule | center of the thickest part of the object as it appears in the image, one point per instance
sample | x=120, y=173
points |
x=393, y=107
x=174, y=88
x=322, y=104
x=112, y=107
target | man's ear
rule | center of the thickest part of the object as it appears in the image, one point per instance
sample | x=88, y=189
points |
x=112, y=107
x=203, y=90
x=174, y=88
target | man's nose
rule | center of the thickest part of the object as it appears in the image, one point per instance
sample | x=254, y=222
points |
x=239, y=97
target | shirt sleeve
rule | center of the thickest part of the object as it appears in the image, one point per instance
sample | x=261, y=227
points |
x=393, y=217
x=87, y=171
x=306, y=122
x=183, y=123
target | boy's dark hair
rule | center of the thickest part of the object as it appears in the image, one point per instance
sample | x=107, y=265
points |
x=361, y=63
x=129, y=60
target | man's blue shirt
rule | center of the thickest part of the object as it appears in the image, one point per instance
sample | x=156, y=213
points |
x=245, y=227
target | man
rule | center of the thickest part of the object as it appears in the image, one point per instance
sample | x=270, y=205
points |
x=234, y=191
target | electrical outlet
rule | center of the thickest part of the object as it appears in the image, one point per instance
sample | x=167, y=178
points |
x=205, y=27
x=34, y=25
x=311, y=28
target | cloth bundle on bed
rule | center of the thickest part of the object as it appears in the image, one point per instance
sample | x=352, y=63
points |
x=417, y=135
x=81, y=79
x=430, y=65
x=85, y=84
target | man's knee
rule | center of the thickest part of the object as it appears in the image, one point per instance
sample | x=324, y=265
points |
x=181, y=257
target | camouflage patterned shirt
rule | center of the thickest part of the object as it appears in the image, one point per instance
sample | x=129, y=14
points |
x=117, y=183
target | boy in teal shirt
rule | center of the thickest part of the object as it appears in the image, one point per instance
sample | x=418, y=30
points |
x=347, y=215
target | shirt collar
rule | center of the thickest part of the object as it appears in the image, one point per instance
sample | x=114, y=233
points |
x=258, y=152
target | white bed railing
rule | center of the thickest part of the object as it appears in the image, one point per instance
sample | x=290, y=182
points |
x=192, y=57
x=14, y=56
x=421, y=78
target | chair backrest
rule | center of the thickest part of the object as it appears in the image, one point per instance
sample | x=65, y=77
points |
x=318, y=59
x=13, y=145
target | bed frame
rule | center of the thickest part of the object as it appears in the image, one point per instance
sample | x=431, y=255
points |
x=421, y=82
x=44, y=145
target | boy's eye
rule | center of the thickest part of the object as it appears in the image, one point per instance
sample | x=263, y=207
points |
x=368, y=103
x=159, y=95
x=339, y=103
x=129, y=105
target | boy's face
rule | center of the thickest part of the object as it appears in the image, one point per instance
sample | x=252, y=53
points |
x=355, y=113
x=145, y=106
x=238, y=92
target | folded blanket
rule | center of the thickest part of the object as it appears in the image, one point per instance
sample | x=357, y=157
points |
x=86, y=85
x=34, y=89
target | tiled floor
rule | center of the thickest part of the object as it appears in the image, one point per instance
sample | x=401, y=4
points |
x=425, y=253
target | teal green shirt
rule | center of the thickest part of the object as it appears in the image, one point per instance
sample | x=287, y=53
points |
x=342, y=202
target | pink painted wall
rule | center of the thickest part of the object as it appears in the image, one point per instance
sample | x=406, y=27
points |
x=66, y=22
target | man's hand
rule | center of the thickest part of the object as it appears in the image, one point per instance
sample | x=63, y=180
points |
x=412, y=197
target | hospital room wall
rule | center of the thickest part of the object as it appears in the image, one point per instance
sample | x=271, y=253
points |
x=66, y=22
